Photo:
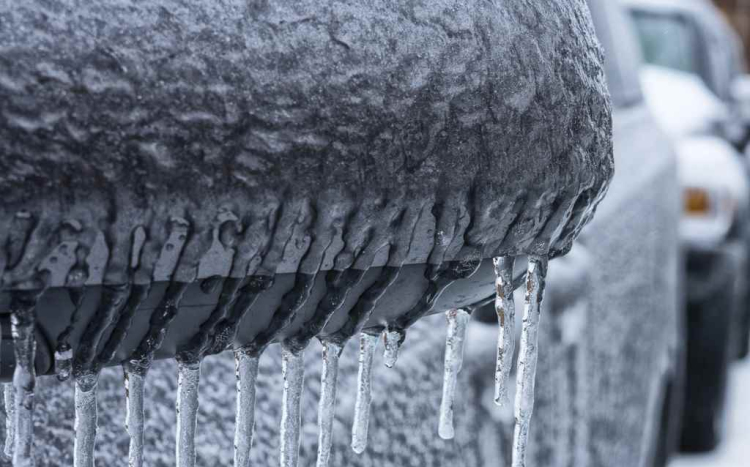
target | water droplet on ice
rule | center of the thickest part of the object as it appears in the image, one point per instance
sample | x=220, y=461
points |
x=393, y=340
x=63, y=363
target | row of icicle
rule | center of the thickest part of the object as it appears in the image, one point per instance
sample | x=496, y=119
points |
x=19, y=396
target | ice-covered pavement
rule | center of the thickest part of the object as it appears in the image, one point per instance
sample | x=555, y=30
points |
x=735, y=450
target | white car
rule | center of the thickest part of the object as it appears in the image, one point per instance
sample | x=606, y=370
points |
x=693, y=86
x=712, y=173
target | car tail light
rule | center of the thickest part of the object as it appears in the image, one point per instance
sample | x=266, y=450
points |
x=697, y=202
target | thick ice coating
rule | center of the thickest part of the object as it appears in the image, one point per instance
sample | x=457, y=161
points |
x=247, y=116
x=295, y=138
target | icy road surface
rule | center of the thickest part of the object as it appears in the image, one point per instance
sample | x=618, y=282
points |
x=735, y=450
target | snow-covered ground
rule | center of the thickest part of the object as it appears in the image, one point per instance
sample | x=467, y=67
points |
x=735, y=450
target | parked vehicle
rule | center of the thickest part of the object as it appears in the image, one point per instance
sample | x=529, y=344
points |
x=693, y=37
x=694, y=59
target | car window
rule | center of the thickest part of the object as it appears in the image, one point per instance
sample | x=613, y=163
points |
x=621, y=52
x=696, y=41
x=722, y=54
x=667, y=40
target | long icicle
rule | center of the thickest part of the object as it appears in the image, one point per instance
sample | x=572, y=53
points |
x=23, y=321
x=85, y=420
x=527, y=357
x=454, y=355
x=134, y=390
x=10, y=426
x=138, y=363
x=188, y=378
x=86, y=372
x=293, y=372
x=367, y=344
x=246, y=367
x=327, y=405
x=506, y=316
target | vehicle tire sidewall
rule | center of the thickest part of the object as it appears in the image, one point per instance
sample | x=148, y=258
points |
x=709, y=351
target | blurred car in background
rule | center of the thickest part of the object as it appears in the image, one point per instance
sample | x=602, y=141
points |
x=692, y=36
x=694, y=60
x=608, y=378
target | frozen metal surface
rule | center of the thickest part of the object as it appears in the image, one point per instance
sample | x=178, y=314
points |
x=158, y=148
x=259, y=124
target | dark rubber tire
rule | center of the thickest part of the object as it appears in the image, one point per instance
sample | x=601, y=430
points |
x=667, y=440
x=743, y=347
x=709, y=321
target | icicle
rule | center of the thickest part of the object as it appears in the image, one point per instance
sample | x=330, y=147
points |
x=23, y=320
x=454, y=355
x=327, y=405
x=85, y=421
x=527, y=357
x=134, y=416
x=367, y=344
x=188, y=377
x=506, y=315
x=293, y=372
x=393, y=340
x=10, y=414
x=247, y=372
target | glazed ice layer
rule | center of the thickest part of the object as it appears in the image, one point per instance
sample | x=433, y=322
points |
x=282, y=138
